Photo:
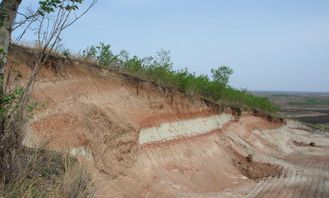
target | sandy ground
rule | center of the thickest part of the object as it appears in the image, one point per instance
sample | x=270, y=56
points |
x=188, y=150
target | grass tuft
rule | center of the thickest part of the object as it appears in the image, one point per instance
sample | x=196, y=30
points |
x=48, y=174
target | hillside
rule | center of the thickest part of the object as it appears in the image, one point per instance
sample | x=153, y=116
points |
x=140, y=139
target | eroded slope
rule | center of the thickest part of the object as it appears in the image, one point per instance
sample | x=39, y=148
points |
x=144, y=140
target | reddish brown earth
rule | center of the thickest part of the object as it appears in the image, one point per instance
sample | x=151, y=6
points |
x=97, y=115
x=254, y=170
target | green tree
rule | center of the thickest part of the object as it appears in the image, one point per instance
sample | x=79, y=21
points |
x=105, y=55
x=221, y=75
x=89, y=53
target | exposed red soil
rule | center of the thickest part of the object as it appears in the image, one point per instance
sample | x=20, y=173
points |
x=154, y=121
x=254, y=170
x=102, y=111
x=63, y=128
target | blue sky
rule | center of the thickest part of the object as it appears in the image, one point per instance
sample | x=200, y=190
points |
x=276, y=45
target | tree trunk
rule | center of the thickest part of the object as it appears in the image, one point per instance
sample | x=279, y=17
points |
x=8, y=12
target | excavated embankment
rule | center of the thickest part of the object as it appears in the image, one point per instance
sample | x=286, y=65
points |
x=144, y=140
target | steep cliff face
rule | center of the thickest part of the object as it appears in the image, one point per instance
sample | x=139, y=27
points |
x=143, y=140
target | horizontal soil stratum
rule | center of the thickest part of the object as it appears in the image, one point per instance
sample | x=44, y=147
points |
x=139, y=139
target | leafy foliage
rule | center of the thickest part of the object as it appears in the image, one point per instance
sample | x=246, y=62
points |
x=160, y=70
x=66, y=53
x=3, y=16
x=49, y=6
x=221, y=75
x=102, y=53
x=9, y=100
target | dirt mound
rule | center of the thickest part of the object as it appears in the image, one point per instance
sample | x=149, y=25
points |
x=254, y=170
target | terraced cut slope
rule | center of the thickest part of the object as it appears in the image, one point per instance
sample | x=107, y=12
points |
x=139, y=139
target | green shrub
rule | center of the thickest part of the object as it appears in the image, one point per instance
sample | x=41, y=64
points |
x=160, y=70
x=102, y=54
x=66, y=53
